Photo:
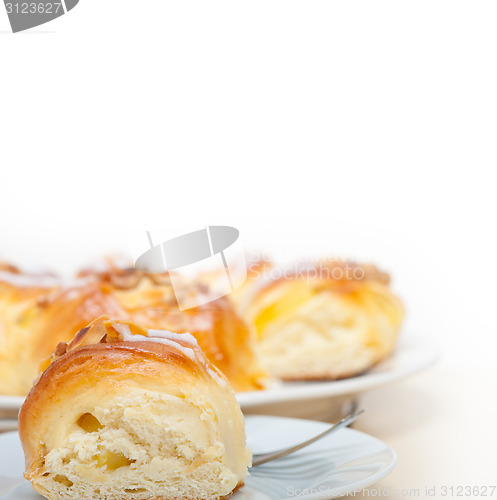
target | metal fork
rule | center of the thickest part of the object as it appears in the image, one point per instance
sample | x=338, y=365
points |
x=262, y=458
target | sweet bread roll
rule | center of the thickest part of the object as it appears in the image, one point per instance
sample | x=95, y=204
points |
x=21, y=297
x=125, y=412
x=36, y=313
x=223, y=335
x=55, y=315
x=329, y=320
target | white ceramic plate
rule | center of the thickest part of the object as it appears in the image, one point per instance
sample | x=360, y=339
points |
x=412, y=355
x=343, y=462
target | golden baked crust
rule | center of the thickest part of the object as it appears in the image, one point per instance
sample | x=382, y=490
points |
x=225, y=338
x=112, y=417
x=325, y=320
x=55, y=314
x=22, y=299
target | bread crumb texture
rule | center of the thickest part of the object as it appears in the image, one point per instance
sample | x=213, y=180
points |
x=140, y=445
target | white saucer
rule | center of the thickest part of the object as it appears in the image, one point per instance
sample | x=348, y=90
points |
x=343, y=462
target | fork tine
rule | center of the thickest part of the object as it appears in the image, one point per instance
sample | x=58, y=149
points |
x=263, y=458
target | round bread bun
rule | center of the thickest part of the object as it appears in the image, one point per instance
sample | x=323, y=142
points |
x=36, y=319
x=325, y=321
x=21, y=297
x=124, y=412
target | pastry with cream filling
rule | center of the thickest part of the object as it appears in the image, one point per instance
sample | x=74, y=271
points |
x=329, y=320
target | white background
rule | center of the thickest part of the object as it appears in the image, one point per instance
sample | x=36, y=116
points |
x=365, y=129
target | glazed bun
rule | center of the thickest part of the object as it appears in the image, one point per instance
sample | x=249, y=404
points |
x=22, y=296
x=330, y=320
x=36, y=318
x=125, y=412
x=222, y=333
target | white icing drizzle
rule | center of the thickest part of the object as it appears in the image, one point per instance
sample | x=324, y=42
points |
x=216, y=377
x=164, y=334
x=44, y=281
x=167, y=338
x=24, y=280
x=171, y=339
